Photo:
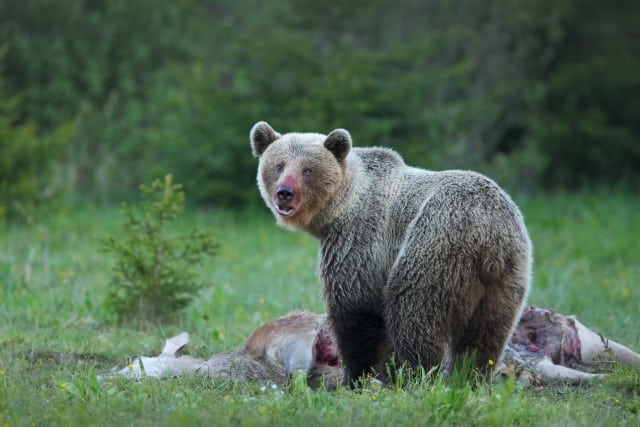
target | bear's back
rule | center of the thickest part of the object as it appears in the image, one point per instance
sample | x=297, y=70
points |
x=386, y=171
x=393, y=193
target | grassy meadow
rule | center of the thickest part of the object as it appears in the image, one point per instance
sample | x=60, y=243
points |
x=53, y=281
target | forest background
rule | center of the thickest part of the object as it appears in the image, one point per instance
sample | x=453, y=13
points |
x=100, y=96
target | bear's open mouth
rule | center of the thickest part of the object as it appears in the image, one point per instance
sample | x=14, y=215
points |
x=285, y=210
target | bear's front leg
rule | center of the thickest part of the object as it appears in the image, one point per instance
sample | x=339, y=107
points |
x=360, y=336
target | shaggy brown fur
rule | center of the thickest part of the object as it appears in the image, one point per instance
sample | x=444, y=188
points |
x=427, y=265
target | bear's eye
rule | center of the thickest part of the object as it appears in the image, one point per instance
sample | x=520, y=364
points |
x=279, y=167
x=307, y=171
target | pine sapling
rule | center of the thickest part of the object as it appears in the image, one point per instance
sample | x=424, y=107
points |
x=152, y=276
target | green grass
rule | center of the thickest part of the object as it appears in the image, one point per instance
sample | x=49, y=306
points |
x=53, y=280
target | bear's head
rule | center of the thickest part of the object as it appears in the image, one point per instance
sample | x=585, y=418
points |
x=298, y=173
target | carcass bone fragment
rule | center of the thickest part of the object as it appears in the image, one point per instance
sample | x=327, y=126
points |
x=168, y=363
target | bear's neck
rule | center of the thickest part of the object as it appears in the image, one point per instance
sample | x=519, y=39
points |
x=336, y=209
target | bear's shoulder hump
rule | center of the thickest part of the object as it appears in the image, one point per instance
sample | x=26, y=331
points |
x=380, y=156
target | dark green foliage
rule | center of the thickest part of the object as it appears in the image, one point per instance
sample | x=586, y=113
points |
x=152, y=278
x=381, y=93
x=67, y=55
x=26, y=176
x=587, y=119
x=536, y=93
x=95, y=62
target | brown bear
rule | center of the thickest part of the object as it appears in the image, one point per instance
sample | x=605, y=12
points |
x=429, y=266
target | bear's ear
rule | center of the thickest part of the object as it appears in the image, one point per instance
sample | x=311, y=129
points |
x=339, y=143
x=261, y=136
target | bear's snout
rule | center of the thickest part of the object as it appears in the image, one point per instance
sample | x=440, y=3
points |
x=284, y=200
x=284, y=193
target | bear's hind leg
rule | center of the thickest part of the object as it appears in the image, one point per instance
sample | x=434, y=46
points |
x=491, y=325
x=422, y=316
x=430, y=297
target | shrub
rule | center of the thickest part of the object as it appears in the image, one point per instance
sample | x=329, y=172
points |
x=152, y=277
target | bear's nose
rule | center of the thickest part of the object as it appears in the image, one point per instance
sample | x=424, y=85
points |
x=285, y=193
